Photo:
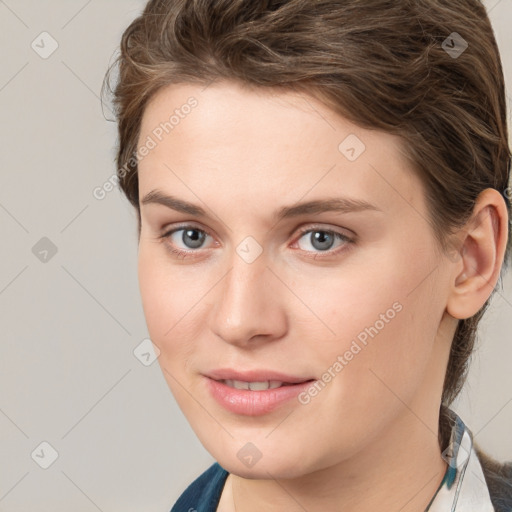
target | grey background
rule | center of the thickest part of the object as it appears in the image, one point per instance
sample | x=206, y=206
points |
x=68, y=374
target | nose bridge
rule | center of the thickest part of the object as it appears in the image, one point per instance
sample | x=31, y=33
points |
x=247, y=303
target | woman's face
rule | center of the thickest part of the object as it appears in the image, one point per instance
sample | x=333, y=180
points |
x=297, y=243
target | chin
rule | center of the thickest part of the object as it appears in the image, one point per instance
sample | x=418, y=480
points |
x=278, y=465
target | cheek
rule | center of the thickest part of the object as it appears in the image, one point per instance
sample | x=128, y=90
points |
x=381, y=323
x=171, y=297
x=379, y=357
x=156, y=302
x=164, y=295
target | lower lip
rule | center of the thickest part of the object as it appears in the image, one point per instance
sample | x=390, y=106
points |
x=253, y=403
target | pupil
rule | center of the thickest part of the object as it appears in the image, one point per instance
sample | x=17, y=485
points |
x=321, y=240
x=195, y=238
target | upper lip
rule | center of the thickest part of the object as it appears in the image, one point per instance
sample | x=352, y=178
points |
x=261, y=375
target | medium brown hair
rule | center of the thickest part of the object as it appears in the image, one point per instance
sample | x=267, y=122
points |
x=383, y=65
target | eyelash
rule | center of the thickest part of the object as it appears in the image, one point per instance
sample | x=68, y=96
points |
x=180, y=253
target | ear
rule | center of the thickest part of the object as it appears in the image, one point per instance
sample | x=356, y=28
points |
x=478, y=262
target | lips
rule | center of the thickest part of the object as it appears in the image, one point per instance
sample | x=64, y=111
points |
x=262, y=375
x=255, y=402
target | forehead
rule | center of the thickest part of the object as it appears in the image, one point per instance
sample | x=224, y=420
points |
x=272, y=143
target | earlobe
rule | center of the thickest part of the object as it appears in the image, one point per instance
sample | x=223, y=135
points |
x=484, y=240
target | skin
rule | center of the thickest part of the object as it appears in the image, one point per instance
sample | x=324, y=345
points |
x=241, y=154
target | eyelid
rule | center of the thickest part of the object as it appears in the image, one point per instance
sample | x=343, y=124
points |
x=323, y=227
x=184, y=225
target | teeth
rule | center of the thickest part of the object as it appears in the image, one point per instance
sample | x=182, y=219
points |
x=253, y=386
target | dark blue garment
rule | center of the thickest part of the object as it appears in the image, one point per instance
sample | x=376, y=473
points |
x=203, y=494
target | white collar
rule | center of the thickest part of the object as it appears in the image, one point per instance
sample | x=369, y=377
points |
x=463, y=488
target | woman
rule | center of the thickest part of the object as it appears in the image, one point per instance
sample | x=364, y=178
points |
x=321, y=189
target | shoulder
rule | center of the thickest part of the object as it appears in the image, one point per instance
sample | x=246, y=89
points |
x=203, y=494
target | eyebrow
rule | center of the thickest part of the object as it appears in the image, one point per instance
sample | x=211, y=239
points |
x=340, y=205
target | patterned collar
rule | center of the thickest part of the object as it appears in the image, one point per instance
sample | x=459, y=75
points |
x=463, y=488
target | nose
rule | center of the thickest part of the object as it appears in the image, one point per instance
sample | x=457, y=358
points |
x=248, y=305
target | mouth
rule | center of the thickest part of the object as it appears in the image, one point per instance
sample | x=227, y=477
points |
x=256, y=397
x=256, y=379
x=258, y=385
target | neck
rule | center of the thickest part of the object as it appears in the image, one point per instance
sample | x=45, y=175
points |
x=401, y=470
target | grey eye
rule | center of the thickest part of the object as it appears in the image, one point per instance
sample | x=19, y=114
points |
x=192, y=238
x=320, y=240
